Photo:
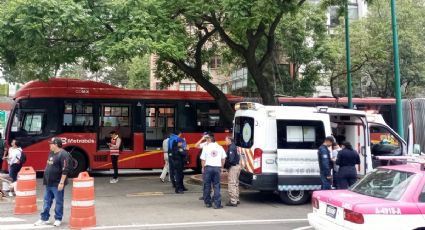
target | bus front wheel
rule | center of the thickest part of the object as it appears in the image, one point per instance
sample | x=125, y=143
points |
x=295, y=197
x=79, y=164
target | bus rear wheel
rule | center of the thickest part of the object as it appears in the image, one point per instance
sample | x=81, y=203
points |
x=79, y=164
x=295, y=197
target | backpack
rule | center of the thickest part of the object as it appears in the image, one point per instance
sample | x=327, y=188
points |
x=23, y=158
x=73, y=165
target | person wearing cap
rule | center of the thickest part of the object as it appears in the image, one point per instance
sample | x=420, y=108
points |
x=55, y=179
x=114, y=150
x=325, y=162
x=212, y=159
x=200, y=145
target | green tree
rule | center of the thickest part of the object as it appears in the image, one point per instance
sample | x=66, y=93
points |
x=138, y=73
x=249, y=29
x=372, y=53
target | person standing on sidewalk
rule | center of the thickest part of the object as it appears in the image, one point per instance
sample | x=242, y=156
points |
x=15, y=164
x=172, y=141
x=114, y=150
x=179, y=159
x=166, y=168
x=212, y=158
x=234, y=169
x=2, y=152
x=55, y=179
x=325, y=162
x=200, y=145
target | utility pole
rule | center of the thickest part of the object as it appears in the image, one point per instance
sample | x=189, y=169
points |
x=348, y=58
x=397, y=90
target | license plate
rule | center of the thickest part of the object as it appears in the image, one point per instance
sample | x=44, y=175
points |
x=331, y=211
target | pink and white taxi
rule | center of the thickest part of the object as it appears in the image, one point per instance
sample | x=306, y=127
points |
x=390, y=197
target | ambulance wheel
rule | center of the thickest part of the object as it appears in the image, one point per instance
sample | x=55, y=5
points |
x=79, y=164
x=295, y=197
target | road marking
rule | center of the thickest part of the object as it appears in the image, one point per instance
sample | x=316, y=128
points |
x=10, y=219
x=23, y=226
x=201, y=224
x=141, y=194
x=303, y=228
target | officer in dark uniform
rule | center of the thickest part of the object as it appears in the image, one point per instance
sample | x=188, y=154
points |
x=179, y=159
x=325, y=162
x=172, y=141
x=347, y=159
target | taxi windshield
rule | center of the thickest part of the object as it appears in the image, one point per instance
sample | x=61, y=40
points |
x=384, y=183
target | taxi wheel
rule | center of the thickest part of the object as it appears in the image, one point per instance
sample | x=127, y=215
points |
x=294, y=197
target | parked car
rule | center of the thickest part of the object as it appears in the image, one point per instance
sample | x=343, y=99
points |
x=390, y=197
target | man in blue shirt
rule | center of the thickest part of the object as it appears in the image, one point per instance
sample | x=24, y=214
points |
x=325, y=162
x=172, y=142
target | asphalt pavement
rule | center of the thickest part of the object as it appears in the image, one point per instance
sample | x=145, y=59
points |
x=141, y=201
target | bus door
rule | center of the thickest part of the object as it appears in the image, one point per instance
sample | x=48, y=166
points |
x=116, y=117
x=160, y=122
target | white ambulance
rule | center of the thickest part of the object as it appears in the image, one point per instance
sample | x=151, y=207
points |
x=278, y=144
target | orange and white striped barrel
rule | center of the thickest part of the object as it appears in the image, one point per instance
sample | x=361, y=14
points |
x=82, y=204
x=26, y=195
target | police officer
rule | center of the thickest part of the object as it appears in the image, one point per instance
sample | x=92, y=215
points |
x=325, y=162
x=179, y=158
x=172, y=141
x=347, y=159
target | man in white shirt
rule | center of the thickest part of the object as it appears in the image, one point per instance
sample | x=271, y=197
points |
x=166, y=169
x=212, y=158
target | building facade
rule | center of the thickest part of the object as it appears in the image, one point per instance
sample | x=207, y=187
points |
x=213, y=68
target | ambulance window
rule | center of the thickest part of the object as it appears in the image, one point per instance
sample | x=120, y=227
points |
x=244, y=131
x=297, y=134
x=383, y=142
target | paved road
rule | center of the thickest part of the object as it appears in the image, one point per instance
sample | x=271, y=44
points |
x=141, y=201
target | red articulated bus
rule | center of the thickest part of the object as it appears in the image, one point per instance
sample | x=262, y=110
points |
x=83, y=113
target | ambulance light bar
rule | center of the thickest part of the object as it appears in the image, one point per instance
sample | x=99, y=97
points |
x=322, y=109
x=246, y=106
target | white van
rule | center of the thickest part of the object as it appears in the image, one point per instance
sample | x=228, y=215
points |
x=279, y=144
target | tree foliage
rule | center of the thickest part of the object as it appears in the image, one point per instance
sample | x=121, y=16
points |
x=372, y=52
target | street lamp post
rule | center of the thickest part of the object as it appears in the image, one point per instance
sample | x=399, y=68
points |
x=347, y=56
x=396, y=71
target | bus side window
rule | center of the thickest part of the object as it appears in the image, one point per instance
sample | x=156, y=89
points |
x=208, y=118
x=33, y=123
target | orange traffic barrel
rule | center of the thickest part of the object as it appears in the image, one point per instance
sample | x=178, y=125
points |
x=82, y=205
x=26, y=198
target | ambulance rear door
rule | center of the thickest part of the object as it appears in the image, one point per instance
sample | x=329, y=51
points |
x=299, y=135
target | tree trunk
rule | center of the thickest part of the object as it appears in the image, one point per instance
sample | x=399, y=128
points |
x=226, y=110
x=264, y=86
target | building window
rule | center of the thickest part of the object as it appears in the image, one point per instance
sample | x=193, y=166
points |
x=353, y=13
x=187, y=86
x=215, y=62
x=158, y=86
